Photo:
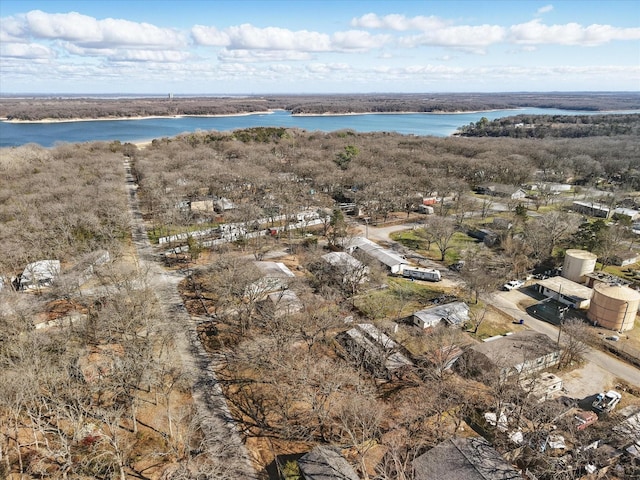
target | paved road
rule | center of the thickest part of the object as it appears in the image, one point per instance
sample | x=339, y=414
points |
x=222, y=440
x=507, y=302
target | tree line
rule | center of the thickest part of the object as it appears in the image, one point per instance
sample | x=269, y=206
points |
x=564, y=126
x=39, y=108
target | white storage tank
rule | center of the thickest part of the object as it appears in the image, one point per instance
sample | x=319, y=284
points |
x=578, y=263
x=614, y=306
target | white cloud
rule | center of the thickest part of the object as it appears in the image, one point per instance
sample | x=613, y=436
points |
x=545, y=9
x=358, y=40
x=25, y=50
x=322, y=68
x=162, y=56
x=397, y=22
x=12, y=30
x=535, y=32
x=209, y=36
x=88, y=31
x=280, y=68
x=463, y=36
x=262, y=55
x=247, y=36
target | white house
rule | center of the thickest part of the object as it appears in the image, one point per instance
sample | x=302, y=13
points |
x=387, y=257
x=454, y=313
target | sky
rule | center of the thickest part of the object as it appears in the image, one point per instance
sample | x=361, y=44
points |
x=241, y=47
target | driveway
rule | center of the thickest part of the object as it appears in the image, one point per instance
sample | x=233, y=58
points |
x=509, y=303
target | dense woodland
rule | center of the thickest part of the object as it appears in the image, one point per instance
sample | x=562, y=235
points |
x=565, y=126
x=288, y=383
x=39, y=108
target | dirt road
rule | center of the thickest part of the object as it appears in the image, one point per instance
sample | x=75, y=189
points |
x=222, y=439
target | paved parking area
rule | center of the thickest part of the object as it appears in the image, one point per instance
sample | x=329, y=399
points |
x=586, y=381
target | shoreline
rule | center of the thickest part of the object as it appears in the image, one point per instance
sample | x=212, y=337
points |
x=457, y=112
x=149, y=117
x=243, y=114
x=270, y=112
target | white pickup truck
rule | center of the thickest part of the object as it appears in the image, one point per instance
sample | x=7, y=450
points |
x=605, y=402
x=513, y=285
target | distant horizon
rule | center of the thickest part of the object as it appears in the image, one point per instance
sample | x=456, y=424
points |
x=301, y=94
x=289, y=47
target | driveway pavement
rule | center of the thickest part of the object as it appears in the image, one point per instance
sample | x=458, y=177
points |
x=508, y=302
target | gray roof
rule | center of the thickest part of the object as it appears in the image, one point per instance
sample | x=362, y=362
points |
x=342, y=259
x=42, y=273
x=383, y=255
x=286, y=301
x=512, y=350
x=325, y=463
x=454, y=313
x=463, y=459
x=274, y=269
x=570, y=289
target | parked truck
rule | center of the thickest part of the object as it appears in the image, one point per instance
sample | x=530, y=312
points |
x=418, y=273
x=606, y=402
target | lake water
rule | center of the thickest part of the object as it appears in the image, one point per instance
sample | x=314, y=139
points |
x=439, y=125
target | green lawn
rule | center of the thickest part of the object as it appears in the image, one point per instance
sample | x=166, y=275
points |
x=401, y=299
x=410, y=239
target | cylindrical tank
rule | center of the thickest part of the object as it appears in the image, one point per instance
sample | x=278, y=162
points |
x=577, y=263
x=614, y=306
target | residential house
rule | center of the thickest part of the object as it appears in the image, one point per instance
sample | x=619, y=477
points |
x=276, y=277
x=372, y=349
x=39, y=274
x=454, y=314
x=626, y=213
x=592, y=209
x=325, y=463
x=222, y=204
x=624, y=259
x=283, y=303
x=486, y=236
x=500, y=190
x=390, y=259
x=202, y=206
x=521, y=353
x=352, y=270
x=565, y=291
x=463, y=459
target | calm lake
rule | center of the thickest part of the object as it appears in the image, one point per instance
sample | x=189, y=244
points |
x=439, y=125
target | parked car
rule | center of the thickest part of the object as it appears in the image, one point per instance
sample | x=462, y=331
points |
x=513, y=285
x=456, y=267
